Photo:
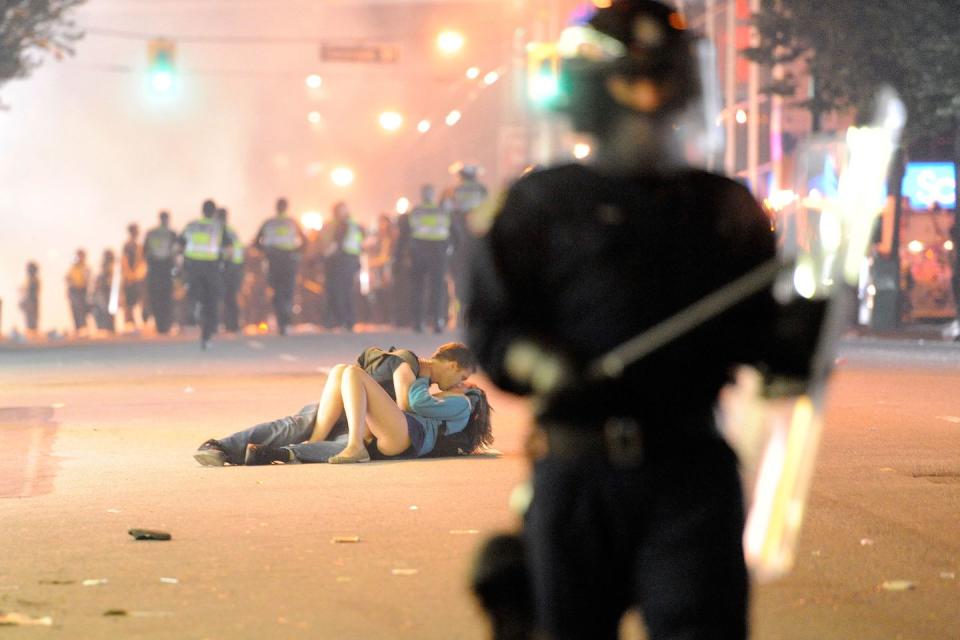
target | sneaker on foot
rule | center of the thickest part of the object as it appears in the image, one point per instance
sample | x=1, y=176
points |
x=211, y=454
x=263, y=454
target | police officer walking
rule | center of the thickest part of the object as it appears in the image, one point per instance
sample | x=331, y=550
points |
x=232, y=258
x=282, y=240
x=203, y=243
x=459, y=202
x=160, y=251
x=637, y=499
x=429, y=241
x=343, y=264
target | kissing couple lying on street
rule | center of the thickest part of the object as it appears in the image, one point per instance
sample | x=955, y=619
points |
x=380, y=408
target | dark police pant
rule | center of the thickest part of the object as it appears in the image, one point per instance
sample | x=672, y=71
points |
x=429, y=276
x=341, y=272
x=206, y=287
x=664, y=535
x=283, y=279
x=232, y=281
x=160, y=293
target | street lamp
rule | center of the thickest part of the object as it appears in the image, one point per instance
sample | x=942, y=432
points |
x=342, y=176
x=450, y=42
x=491, y=77
x=391, y=120
x=314, y=81
x=423, y=126
x=473, y=73
x=403, y=205
x=453, y=118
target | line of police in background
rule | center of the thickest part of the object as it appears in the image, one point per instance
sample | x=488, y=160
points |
x=408, y=271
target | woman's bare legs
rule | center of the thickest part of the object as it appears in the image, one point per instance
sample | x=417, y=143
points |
x=331, y=404
x=366, y=403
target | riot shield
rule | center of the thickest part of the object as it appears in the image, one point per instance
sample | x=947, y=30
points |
x=824, y=231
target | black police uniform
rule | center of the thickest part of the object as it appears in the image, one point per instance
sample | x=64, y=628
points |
x=580, y=262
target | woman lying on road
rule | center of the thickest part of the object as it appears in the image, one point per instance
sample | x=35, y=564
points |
x=376, y=426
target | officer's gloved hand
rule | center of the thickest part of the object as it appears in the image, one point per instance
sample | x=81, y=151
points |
x=545, y=371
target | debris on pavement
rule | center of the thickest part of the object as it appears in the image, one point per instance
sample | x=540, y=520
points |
x=898, y=585
x=58, y=582
x=344, y=579
x=414, y=507
x=405, y=572
x=113, y=510
x=169, y=581
x=948, y=575
x=866, y=542
x=344, y=539
x=14, y=619
x=93, y=582
x=115, y=612
x=149, y=534
x=464, y=532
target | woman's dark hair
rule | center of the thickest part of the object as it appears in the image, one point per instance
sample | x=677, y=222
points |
x=478, y=432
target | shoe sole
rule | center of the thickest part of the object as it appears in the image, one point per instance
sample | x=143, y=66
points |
x=210, y=457
x=341, y=460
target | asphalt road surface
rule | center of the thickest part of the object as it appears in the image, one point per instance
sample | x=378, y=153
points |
x=97, y=438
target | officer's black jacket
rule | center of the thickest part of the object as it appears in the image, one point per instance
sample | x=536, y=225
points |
x=581, y=262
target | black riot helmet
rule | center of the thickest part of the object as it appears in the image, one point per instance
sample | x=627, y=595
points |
x=634, y=39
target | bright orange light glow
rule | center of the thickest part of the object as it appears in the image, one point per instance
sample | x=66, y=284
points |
x=391, y=120
x=450, y=42
x=342, y=176
x=312, y=220
x=473, y=73
x=403, y=205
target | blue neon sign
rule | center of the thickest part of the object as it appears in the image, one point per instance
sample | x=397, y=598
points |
x=928, y=182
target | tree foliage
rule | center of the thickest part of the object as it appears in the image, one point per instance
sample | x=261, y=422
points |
x=851, y=47
x=31, y=28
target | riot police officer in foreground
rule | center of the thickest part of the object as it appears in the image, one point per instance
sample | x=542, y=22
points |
x=429, y=241
x=636, y=496
x=203, y=242
x=282, y=240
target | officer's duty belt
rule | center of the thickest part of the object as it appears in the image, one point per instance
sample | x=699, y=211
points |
x=623, y=441
x=619, y=441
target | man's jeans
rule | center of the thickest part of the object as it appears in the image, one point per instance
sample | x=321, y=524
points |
x=289, y=433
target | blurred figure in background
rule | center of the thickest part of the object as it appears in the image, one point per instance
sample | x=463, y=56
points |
x=282, y=240
x=429, y=242
x=342, y=265
x=459, y=202
x=254, y=308
x=203, y=243
x=402, y=268
x=232, y=274
x=78, y=292
x=160, y=251
x=104, y=298
x=379, y=252
x=30, y=300
x=133, y=271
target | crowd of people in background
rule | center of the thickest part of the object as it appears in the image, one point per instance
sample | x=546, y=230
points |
x=403, y=270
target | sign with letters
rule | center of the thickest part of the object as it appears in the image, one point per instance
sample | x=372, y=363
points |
x=359, y=52
x=926, y=183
